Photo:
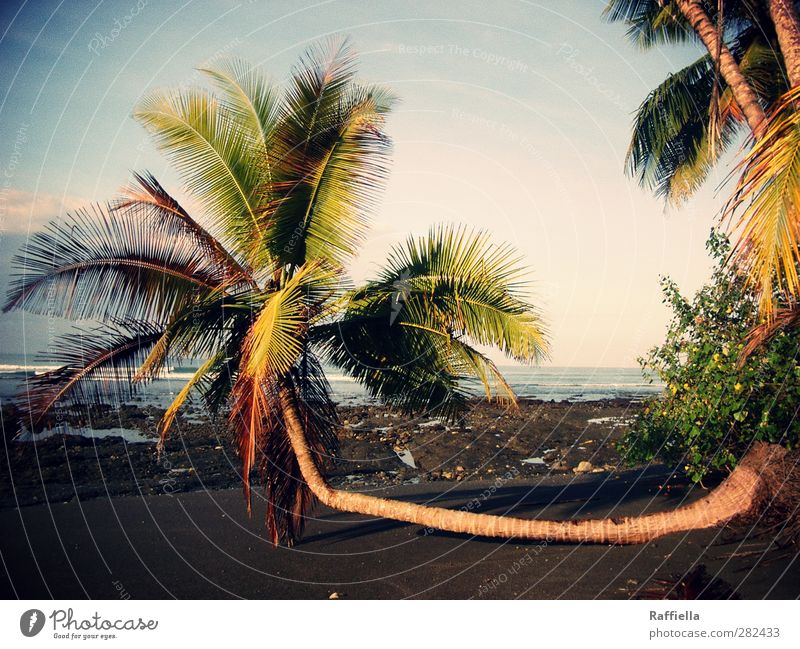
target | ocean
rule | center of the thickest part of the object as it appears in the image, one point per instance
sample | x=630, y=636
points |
x=556, y=383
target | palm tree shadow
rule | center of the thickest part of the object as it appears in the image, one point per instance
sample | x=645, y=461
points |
x=591, y=496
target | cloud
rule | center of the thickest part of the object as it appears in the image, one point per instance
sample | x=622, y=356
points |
x=22, y=211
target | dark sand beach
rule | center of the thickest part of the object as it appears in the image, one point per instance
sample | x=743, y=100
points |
x=105, y=519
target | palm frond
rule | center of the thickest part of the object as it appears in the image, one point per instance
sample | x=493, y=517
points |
x=97, y=364
x=172, y=411
x=149, y=200
x=275, y=339
x=92, y=264
x=670, y=151
x=784, y=319
x=650, y=22
x=331, y=166
x=402, y=366
x=249, y=96
x=656, y=22
x=764, y=208
x=406, y=336
x=212, y=150
x=470, y=286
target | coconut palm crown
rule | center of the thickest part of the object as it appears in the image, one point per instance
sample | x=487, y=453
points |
x=686, y=124
x=286, y=179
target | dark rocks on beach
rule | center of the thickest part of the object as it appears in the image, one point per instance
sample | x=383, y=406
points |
x=490, y=442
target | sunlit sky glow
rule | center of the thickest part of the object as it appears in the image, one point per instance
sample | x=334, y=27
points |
x=514, y=117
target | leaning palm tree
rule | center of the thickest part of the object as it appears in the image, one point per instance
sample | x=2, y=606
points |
x=745, y=84
x=286, y=182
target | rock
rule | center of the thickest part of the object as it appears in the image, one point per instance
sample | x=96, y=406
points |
x=583, y=467
x=333, y=595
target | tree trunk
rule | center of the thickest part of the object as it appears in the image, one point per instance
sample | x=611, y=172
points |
x=743, y=93
x=787, y=27
x=743, y=492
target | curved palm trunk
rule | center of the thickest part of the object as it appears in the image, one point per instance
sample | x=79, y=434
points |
x=742, y=493
x=787, y=28
x=742, y=91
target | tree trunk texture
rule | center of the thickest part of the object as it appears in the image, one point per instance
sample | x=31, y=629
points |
x=741, y=494
x=787, y=27
x=743, y=93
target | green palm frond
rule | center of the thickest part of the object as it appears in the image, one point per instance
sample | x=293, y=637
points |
x=275, y=339
x=247, y=94
x=407, y=336
x=201, y=328
x=402, y=366
x=200, y=375
x=331, y=165
x=471, y=286
x=92, y=264
x=657, y=22
x=764, y=208
x=212, y=150
x=98, y=364
x=670, y=151
x=650, y=22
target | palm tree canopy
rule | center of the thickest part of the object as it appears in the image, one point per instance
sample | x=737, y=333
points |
x=287, y=179
x=689, y=120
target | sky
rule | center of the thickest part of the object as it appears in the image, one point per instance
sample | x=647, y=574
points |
x=514, y=117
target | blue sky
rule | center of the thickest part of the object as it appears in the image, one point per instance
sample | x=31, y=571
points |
x=514, y=117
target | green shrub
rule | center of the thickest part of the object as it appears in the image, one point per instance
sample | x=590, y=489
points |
x=712, y=409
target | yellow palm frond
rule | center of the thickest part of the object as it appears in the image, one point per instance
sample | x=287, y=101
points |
x=764, y=208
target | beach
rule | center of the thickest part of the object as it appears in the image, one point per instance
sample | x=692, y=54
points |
x=102, y=517
x=203, y=545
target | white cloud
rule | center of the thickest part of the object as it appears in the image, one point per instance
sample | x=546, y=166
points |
x=23, y=211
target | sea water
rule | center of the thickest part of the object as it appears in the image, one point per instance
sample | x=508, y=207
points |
x=546, y=383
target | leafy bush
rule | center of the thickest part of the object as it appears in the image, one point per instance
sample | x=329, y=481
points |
x=712, y=409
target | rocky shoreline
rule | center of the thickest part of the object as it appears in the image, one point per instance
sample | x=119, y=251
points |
x=378, y=447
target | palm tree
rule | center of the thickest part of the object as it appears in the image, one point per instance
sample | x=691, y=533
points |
x=286, y=182
x=746, y=81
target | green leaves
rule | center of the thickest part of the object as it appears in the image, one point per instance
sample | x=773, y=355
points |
x=715, y=405
x=214, y=152
x=250, y=100
x=97, y=365
x=331, y=161
x=408, y=336
x=466, y=286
